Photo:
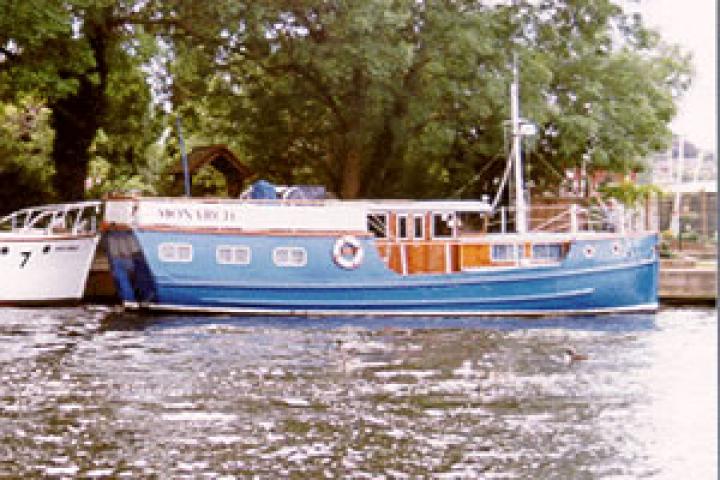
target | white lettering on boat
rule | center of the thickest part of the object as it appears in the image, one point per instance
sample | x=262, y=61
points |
x=280, y=216
x=199, y=214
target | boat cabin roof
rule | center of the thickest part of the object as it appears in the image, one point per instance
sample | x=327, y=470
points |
x=429, y=206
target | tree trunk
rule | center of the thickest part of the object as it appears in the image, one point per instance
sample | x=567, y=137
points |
x=76, y=119
x=350, y=182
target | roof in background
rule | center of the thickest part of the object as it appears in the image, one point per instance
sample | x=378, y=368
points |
x=201, y=156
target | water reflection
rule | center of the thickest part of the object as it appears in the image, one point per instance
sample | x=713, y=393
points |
x=101, y=394
x=131, y=320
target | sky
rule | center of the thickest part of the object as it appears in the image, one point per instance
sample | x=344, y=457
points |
x=693, y=25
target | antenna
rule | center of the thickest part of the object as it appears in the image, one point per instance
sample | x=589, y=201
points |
x=186, y=173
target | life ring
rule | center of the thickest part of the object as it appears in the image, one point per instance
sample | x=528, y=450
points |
x=347, y=252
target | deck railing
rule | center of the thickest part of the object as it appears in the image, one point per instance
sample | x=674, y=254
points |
x=79, y=218
x=571, y=218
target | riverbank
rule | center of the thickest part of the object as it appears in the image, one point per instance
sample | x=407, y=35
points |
x=688, y=280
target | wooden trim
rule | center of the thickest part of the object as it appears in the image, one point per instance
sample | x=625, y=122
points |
x=114, y=227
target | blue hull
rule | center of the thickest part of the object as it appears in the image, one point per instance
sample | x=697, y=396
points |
x=607, y=282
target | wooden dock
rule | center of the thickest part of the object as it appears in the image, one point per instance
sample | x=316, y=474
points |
x=100, y=286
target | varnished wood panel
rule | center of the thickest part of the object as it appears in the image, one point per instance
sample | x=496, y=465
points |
x=416, y=258
x=472, y=256
x=435, y=258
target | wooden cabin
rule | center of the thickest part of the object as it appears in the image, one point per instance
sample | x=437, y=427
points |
x=222, y=159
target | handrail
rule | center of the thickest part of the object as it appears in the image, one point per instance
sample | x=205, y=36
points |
x=550, y=221
x=587, y=219
x=61, y=218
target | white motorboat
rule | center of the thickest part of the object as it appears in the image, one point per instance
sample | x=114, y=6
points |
x=46, y=252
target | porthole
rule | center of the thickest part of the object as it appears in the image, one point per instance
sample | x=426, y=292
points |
x=232, y=255
x=290, y=257
x=589, y=251
x=46, y=249
x=175, y=252
x=617, y=249
x=4, y=250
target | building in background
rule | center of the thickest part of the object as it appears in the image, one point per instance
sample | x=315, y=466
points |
x=687, y=176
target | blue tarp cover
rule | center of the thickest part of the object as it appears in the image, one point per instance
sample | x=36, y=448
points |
x=263, y=190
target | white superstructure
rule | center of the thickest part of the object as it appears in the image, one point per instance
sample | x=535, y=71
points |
x=264, y=215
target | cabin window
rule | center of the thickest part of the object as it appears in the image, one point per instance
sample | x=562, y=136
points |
x=411, y=226
x=377, y=224
x=419, y=226
x=175, y=252
x=442, y=225
x=506, y=252
x=232, y=255
x=402, y=227
x=471, y=222
x=547, y=251
x=290, y=257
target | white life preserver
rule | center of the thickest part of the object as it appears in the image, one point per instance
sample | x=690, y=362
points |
x=347, y=252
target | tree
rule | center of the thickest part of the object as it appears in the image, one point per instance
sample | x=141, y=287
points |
x=342, y=92
x=371, y=98
x=384, y=98
x=607, y=89
x=84, y=59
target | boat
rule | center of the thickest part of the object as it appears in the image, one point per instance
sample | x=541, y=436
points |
x=332, y=257
x=291, y=250
x=46, y=252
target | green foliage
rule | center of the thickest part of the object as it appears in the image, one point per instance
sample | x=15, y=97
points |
x=208, y=182
x=35, y=48
x=382, y=98
x=25, y=147
x=355, y=95
x=370, y=98
x=629, y=193
x=119, y=155
x=86, y=60
x=609, y=95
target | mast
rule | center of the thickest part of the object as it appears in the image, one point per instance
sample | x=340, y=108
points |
x=520, y=207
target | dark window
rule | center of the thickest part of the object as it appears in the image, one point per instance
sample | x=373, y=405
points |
x=377, y=225
x=419, y=223
x=442, y=225
x=402, y=227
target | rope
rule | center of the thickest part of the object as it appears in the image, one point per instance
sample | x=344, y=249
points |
x=501, y=187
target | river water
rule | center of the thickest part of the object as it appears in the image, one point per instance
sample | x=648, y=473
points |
x=92, y=393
